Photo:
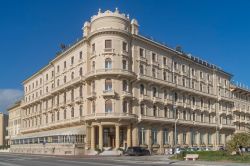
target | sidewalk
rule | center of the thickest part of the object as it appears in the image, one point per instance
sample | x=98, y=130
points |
x=206, y=163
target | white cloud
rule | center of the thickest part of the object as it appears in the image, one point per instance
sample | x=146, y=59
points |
x=9, y=97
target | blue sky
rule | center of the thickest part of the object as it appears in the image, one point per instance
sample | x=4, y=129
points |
x=31, y=31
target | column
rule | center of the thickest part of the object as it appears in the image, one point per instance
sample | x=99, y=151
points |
x=189, y=137
x=171, y=137
x=198, y=138
x=92, y=139
x=100, y=136
x=149, y=138
x=87, y=138
x=129, y=136
x=135, y=140
x=160, y=138
x=180, y=138
x=117, y=136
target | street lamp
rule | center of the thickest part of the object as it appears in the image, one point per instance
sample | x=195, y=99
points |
x=175, y=128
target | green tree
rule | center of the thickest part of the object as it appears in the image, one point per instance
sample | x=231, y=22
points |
x=238, y=140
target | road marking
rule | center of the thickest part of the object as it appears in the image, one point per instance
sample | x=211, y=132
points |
x=8, y=164
x=92, y=163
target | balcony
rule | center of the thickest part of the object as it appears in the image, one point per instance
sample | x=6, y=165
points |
x=79, y=100
x=111, y=115
x=227, y=126
x=142, y=59
x=62, y=105
x=70, y=102
x=125, y=53
x=144, y=98
x=108, y=93
x=156, y=100
x=91, y=95
x=126, y=94
x=112, y=71
x=69, y=84
x=168, y=102
x=108, y=51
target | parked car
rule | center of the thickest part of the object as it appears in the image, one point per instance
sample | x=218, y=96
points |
x=137, y=151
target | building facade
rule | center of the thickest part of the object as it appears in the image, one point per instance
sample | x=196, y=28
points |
x=116, y=88
x=14, y=123
x=3, y=130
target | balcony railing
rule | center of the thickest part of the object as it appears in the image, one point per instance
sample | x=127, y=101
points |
x=110, y=115
x=108, y=93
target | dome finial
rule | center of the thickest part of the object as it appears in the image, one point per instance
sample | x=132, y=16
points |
x=99, y=11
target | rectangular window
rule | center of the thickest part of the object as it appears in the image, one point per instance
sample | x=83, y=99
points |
x=108, y=44
x=141, y=52
x=80, y=55
x=153, y=57
x=124, y=46
x=72, y=60
x=164, y=61
x=93, y=47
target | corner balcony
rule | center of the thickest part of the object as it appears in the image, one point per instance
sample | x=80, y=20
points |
x=112, y=71
x=110, y=115
x=108, y=51
x=108, y=93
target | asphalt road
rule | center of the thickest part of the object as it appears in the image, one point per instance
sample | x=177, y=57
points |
x=37, y=160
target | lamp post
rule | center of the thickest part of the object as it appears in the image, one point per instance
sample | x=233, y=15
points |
x=175, y=128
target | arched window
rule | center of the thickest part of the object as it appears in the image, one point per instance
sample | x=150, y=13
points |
x=175, y=97
x=108, y=106
x=58, y=82
x=93, y=65
x=80, y=110
x=80, y=71
x=72, y=94
x=93, y=106
x=125, y=85
x=193, y=99
x=108, y=63
x=154, y=110
x=141, y=69
x=72, y=112
x=72, y=75
x=124, y=65
x=58, y=115
x=166, y=112
x=142, y=108
x=80, y=91
x=154, y=91
x=142, y=89
x=93, y=86
x=65, y=79
x=65, y=114
x=108, y=84
x=125, y=106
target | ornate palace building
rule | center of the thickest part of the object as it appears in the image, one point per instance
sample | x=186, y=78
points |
x=115, y=88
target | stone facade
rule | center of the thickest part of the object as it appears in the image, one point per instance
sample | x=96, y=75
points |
x=115, y=88
x=3, y=129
